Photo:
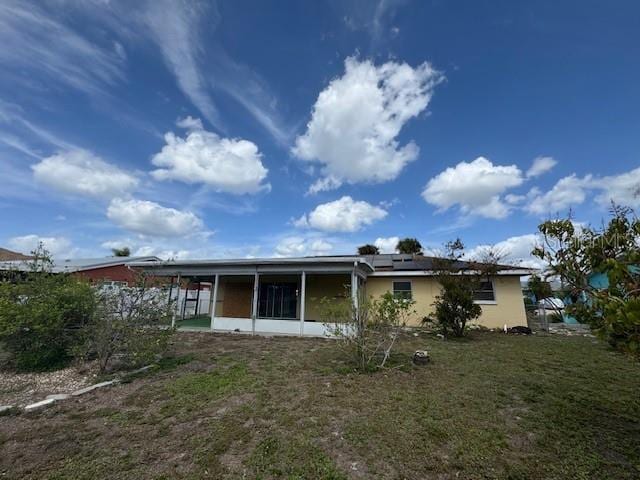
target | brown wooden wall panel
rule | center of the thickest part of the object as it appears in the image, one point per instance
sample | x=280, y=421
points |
x=237, y=300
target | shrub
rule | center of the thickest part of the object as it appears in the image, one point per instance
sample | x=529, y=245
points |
x=454, y=305
x=128, y=325
x=555, y=317
x=367, y=329
x=42, y=314
x=540, y=288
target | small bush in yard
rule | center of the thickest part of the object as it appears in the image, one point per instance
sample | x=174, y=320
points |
x=129, y=325
x=455, y=305
x=368, y=328
x=42, y=315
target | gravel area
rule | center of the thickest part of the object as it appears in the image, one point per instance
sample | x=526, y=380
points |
x=24, y=388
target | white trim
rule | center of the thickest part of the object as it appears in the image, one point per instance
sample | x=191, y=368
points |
x=254, y=301
x=215, y=300
x=303, y=293
x=495, y=296
x=354, y=287
x=175, y=308
x=273, y=327
x=229, y=324
x=393, y=291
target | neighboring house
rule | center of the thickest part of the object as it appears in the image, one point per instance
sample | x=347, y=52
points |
x=8, y=255
x=109, y=270
x=282, y=295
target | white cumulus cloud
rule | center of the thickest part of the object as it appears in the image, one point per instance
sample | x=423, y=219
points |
x=343, y=215
x=190, y=123
x=514, y=250
x=150, y=218
x=541, y=165
x=623, y=189
x=57, y=246
x=475, y=187
x=387, y=245
x=566, y=193
x=295, y=246
x=357, y=117
x=80, y=172
x=226, y=164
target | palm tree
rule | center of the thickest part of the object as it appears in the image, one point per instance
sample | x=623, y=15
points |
x=410, y=246
x=121, y=252
x=368, y=249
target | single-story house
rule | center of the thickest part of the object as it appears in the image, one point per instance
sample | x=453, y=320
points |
x=107, y=270
x=282, y=295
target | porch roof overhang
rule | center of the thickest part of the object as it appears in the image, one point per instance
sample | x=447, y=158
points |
x=250, y=266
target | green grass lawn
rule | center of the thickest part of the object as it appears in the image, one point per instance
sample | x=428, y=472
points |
x=201, y=321
x=492, y=406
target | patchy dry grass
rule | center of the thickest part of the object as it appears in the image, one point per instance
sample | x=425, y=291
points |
x=493, y=406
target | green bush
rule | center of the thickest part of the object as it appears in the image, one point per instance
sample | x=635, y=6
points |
x=128, y=326
x=555, y=317
x=41, y=316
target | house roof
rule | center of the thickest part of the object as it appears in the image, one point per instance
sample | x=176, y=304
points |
x=337, y=263
x=398, y=262
x=8, y=255
x=384, y=264
x=69, y=265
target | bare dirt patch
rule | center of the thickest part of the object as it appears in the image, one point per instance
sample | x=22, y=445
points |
x=24, y=388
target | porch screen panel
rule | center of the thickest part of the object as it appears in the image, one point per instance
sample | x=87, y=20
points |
x=278, y=300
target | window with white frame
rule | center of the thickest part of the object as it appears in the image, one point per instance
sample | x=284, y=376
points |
x=484, y=292
x=402, y=289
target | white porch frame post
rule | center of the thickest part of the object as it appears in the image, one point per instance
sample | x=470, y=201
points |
x=175, y=308
x=303, y=293
x=254, y=306
x=354, y=288
x=215, y=300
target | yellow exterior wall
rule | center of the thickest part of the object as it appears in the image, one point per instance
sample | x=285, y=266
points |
x=508, y=308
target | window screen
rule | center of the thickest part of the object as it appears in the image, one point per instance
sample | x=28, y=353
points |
x=484, y=292
x=402, y=290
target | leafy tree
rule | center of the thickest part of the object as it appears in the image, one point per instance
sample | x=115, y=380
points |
x=121, y=252
x=540, y=288
x=454, y=305
x=575, y=255
x=42, y=314
x=368, y=249
x=410, y=246
x=367, y=329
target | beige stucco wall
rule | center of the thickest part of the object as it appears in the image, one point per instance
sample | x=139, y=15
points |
x=508, y=308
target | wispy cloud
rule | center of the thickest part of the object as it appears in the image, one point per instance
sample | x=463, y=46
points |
x=247, y=88
x=33, y=39
x=373, y=17
x=13, y=115
x=175, y=28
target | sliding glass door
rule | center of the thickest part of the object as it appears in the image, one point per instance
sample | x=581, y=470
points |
x=278, y=300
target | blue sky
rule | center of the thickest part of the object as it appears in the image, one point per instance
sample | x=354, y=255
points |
x=228, y=129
